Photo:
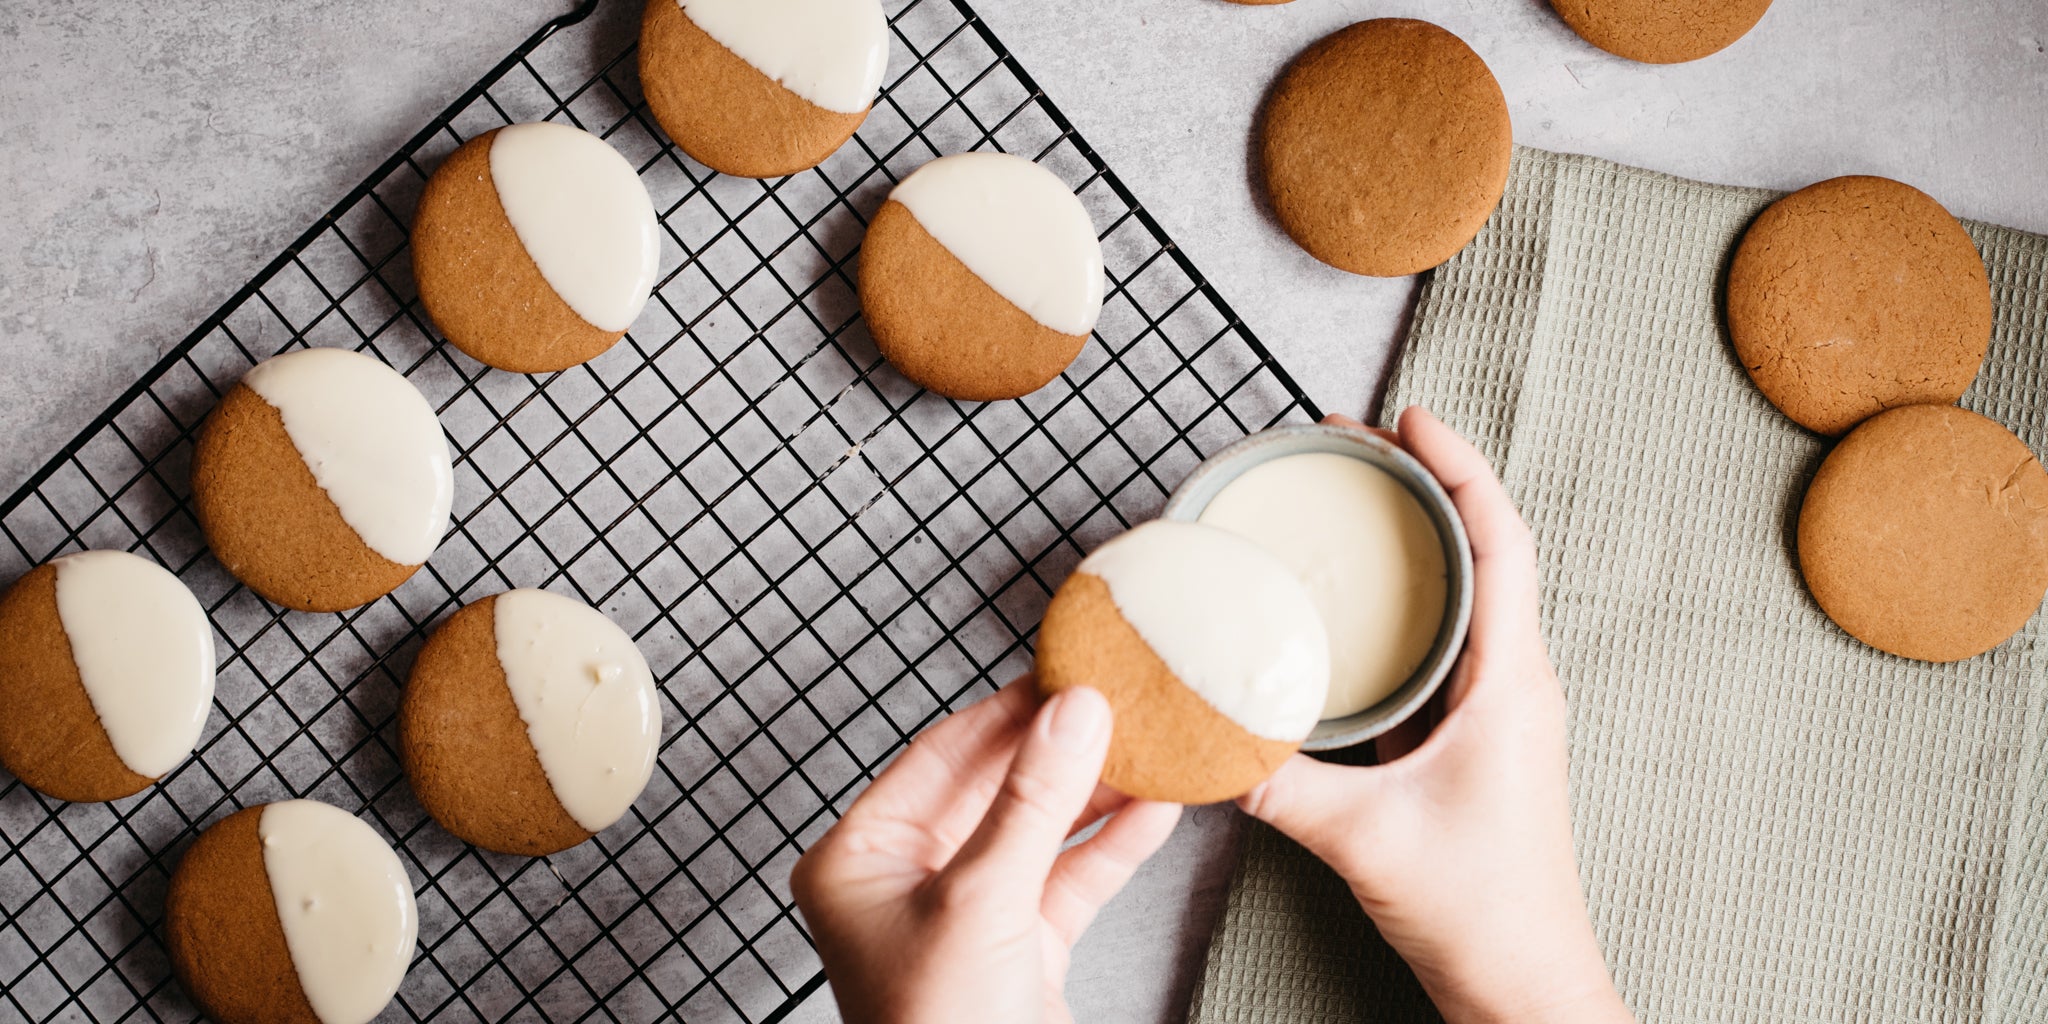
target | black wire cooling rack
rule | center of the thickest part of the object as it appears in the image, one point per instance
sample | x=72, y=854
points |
x=817, y=558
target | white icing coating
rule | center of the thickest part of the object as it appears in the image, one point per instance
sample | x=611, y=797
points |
x=830, y=52
x=1229, y=619
x=346, y=905
x=587, y=699
x=144, y=650
x=1368, y=552
x=580, y=211
x=372, y=442
x=1018, y=228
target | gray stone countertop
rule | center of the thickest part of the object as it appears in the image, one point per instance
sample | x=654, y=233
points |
x=157, y=155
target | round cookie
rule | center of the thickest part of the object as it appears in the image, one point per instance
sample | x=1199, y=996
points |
x=1661, y=31
x=535, y=247
x=1385, y=147
x=762, y=88
x=981, y=276
x=1857, y=295
x=1925, y=533
x=529, y=724
x=106, y=675
x=1209, y=650
x=322, y=479
x=290, y=913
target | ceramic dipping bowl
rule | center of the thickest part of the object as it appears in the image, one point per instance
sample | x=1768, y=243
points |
x=1194, y=494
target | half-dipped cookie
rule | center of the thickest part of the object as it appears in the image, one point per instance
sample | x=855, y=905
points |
x=322, y=479
x=535, y=247
x=106, y=675
x=529, y=724
x=981, y=276
x=1209, y=650
x=762, y=88
x=290, y=913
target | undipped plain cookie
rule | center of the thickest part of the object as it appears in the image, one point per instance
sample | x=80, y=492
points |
x=1385, y=147
x=1661, y=31
x=1925, y=533
x=1856, y=295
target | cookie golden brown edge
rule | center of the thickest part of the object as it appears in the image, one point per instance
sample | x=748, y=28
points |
x=1385, y=146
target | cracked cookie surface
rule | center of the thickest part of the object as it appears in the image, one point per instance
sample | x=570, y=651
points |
x=1857, y=295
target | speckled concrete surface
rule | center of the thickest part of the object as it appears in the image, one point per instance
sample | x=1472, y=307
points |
x=157, y=155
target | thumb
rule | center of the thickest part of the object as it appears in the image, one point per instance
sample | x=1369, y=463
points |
x=1048, y=786
x=1334, y=811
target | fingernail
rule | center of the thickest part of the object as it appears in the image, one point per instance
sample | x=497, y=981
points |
x=1079, y=718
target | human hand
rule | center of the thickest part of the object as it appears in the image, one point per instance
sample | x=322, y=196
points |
x=943, y=894
x=1458, y=843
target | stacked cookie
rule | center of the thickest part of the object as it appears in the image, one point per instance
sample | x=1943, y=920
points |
x=1860, y=307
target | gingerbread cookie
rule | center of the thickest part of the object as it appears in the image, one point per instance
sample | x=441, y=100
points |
x=1661, y=31
x=535, y=247
x=762, y=88
x=1385, y=147
x=981, y=276
x=1925, y=533
x=530, y=723
x=322, y=480
x=1857, y=295
x=106, y=675
x=1209, y=650
x=290, y=913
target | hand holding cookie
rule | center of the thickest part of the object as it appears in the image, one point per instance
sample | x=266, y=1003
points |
x=1421, y=837
x=943, y=893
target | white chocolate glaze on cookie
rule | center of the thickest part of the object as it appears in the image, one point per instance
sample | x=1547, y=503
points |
x=580, y=211
x=346, y=905
x=832, y=53
x=1368, y=553
x=1230, y=620
x=144, y=650
x=587, y=698
x=1018, y=228
x=372, y=442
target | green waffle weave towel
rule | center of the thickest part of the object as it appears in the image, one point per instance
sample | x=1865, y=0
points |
x=1774, y=822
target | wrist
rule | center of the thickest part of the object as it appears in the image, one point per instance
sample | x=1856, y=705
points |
x=1529, y=967
x=1575, y=992
x=1593, y=1007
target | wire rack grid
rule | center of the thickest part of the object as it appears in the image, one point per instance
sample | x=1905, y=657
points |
x=817, y=558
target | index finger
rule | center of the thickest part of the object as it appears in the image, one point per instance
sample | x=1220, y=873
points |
x=1504, y=593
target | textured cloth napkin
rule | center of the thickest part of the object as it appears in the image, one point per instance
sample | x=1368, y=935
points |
x=1774, y=822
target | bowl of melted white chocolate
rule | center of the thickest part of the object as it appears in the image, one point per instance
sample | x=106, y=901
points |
x=1379, y=546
